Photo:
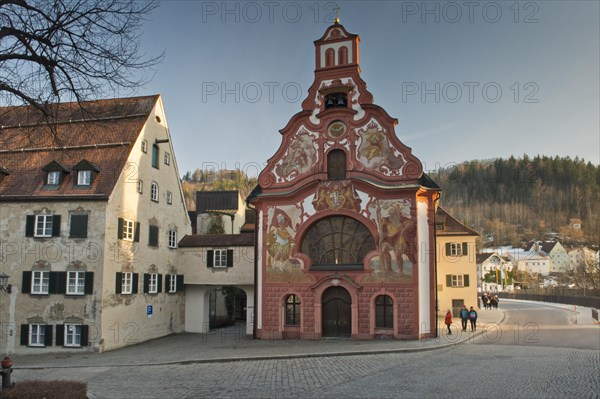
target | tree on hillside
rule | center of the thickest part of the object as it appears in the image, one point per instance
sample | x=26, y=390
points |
x=70, y=50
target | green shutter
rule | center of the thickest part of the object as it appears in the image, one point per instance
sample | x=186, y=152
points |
x=230, y=258
x=24, y=334
x=465, y=248
x=448, y=280
x=85, y=334
x=48, y=337
x=89, y=283
x=60, y=335
x=134, y=283
x=26, y=283
x=120, y=229
x=466, y=280
x=56, y=226
x=136, y=233
x=119, y=283
x=29, y=225
x=146, y=283
x=448, y=249
x=210, y=258
x=79, y=224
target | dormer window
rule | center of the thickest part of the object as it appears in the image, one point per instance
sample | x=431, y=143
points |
x=336, y=100
x=55, y=173
x=86, y=172
x=53, y=178
x=84, y=177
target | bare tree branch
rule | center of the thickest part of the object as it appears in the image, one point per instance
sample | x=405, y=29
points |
x=71, y=50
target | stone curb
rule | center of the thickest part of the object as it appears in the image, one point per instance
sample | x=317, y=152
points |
x=272, y=357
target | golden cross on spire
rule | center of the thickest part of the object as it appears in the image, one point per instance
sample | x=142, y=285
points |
x=337, y=9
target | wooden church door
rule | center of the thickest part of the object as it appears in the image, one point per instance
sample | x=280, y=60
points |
x=337, y=313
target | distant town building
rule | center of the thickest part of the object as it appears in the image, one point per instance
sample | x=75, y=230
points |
x=559, y=258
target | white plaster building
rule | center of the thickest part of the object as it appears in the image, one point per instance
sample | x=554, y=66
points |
x=91, y=210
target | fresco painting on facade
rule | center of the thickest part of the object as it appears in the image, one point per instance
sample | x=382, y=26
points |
x=397, y=252
x=376, y=152
x=336, y=195
x=280, y=243
x=299, y=158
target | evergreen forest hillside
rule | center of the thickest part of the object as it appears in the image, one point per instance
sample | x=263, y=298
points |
x=508, y=201
x=514, y=200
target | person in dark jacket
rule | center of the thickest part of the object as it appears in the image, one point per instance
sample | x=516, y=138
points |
x=473, y=319
x=464, y=317
x=448, y=321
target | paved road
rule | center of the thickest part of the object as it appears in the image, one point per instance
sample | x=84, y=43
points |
x=543, y=325
x=478, y=368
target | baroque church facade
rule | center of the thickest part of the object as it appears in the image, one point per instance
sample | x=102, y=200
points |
x=345, y=243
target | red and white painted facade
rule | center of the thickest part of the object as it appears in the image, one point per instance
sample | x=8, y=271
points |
x=383, y=188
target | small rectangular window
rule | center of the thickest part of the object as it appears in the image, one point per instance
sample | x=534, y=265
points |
x=169, y=197
x=37, y=335
x=153, y=283
x=144, y=146
x=128, y=229
x=126, y=283
x=73, y=335
x=455, y=249
x=457, y=280
x=75, y=283
x=40, y=281
x=155, y=154
x=220, y=258
x=173, y=283
x=84, y=178
x=172, y=239
x=53, y=178
x=140, y=186
x=167, y=158
x=43, y=226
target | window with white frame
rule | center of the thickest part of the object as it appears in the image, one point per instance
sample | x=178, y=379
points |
x=154, y=192
x=126, y=283
x=53, y=178
x=220, y=258
x=144, y=146
x=167, y=158
x=457, y=280
x=75, y=283
x=72, y=335
x=140, y=186
x=84, y=177
x=173, y=283
x=455, y=249
x=169, y=197
x=37, y=334
x=43, y=226
x=40, y=281
x=128, y=229
x=153, y=283
x=172, y=239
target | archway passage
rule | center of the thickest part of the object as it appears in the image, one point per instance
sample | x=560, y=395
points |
x=336, y=313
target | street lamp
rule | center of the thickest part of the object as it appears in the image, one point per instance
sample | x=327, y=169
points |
x=4, y=286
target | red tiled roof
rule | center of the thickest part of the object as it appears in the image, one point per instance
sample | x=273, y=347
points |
x=103, y=134
x=452, y=227
x=217, y=240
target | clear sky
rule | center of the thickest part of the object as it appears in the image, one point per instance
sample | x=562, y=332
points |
x=466, y=80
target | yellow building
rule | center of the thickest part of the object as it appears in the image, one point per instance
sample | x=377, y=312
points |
x=456, y=263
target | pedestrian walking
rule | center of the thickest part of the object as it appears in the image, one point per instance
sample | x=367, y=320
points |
x=464, y=317
x=484, y=299
x=473, y=319
x=448, y=321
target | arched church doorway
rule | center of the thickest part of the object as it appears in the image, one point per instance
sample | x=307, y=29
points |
x=336, y=313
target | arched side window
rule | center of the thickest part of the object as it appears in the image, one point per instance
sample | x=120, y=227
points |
x=337, y=243
x=336, y=165
x=329, y=57
x=292, y=310
x=384, y=312
x=154, y=191
x=343, y=55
